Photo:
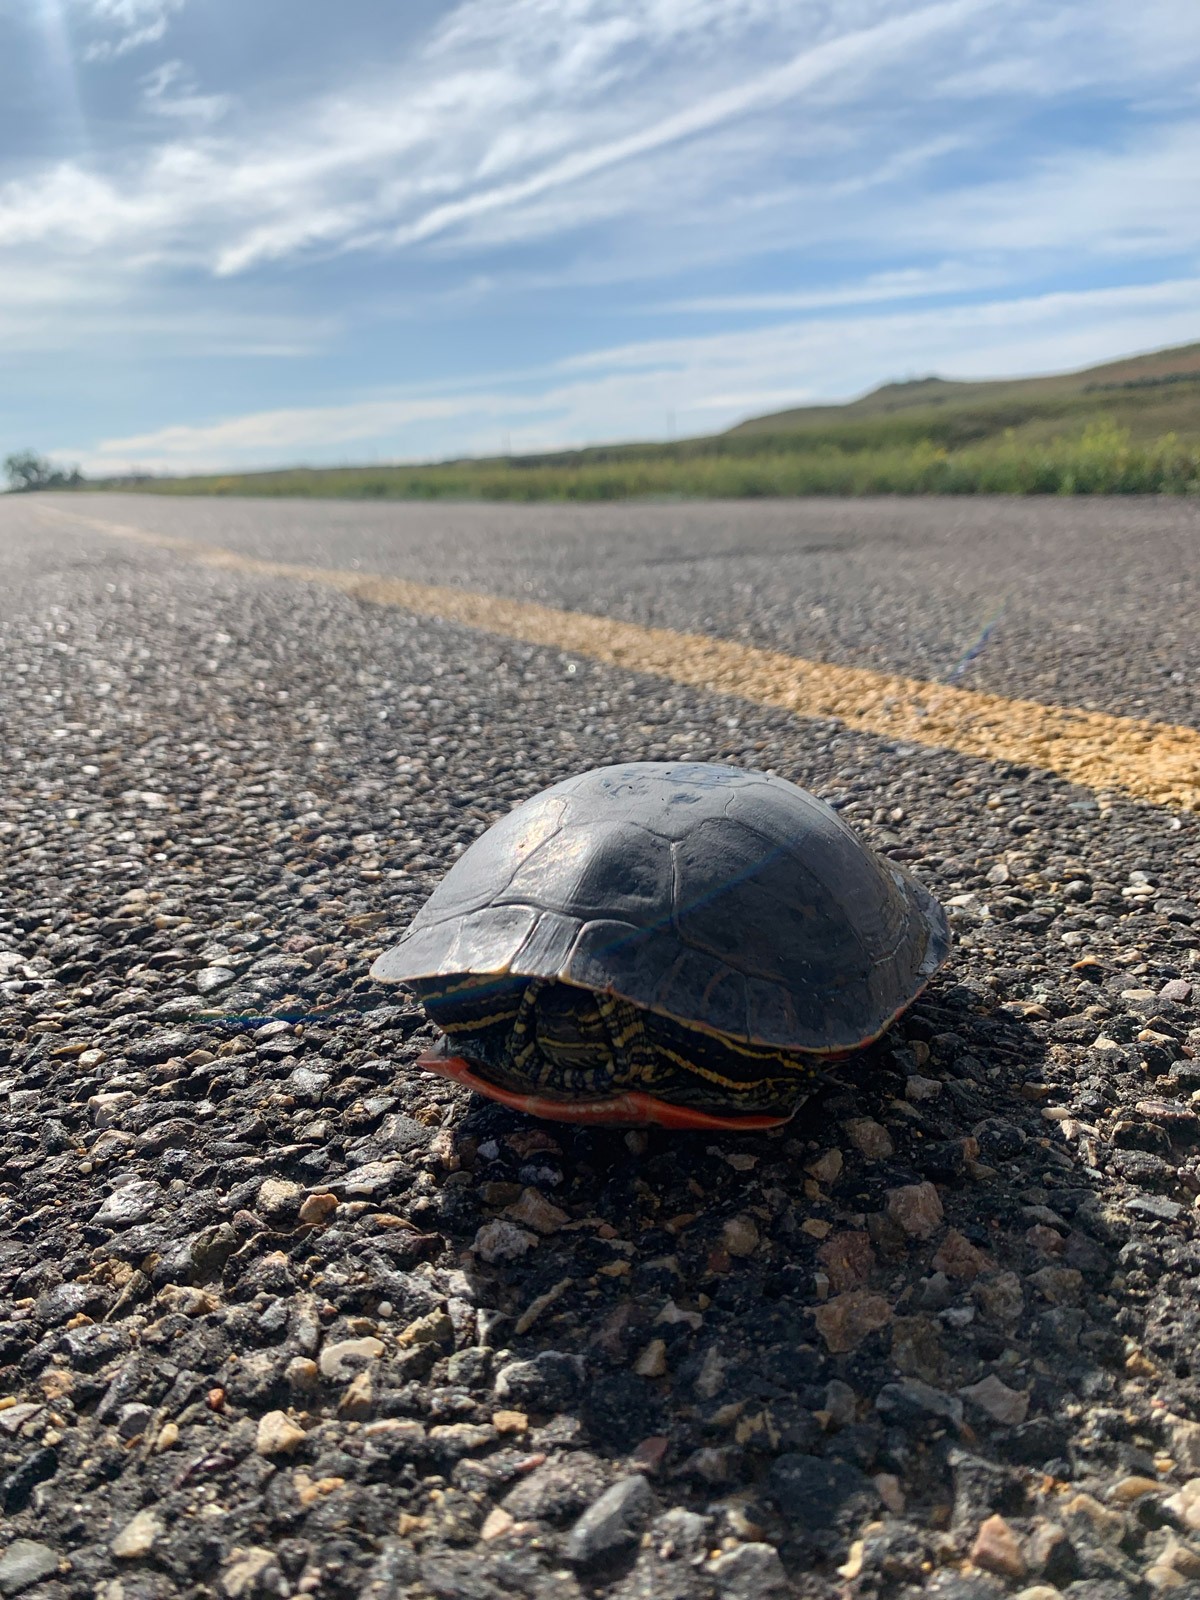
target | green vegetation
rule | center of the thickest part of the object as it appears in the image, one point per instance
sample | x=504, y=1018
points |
x=1131, y=427
x=26, y=470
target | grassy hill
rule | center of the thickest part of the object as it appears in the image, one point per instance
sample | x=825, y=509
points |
x=1129, y=426
x=1149, y=394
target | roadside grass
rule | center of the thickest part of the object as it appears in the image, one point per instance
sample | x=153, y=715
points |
x=1128, y=427
x=905, y=454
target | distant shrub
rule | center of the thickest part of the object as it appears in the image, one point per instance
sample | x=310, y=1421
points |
x=26, y=470
x=1101, y=459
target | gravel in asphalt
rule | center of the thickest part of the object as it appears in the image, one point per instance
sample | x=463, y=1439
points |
x=281, y=1316
x=1085, y=601
x=1152, y=761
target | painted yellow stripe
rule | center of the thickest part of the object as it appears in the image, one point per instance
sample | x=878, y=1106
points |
x=1153, y=761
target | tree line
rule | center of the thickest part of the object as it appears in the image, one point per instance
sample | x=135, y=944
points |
x=27, y=470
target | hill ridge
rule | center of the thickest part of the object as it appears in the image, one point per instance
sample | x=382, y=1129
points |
x=1173, y=364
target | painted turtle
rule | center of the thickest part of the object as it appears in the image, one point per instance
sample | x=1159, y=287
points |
x=677, y=943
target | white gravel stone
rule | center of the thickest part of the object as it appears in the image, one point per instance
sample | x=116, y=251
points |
x=277, y=1435
x=132, y=1202
x=1002, y=1404
x=252, y=1572
x=340, y=1361
x=209, y=979
x=375, y=1178
x=747, y=1572
x=138, y=1537
x=25, y=1563
x=278, y=1198
x=503, y=1241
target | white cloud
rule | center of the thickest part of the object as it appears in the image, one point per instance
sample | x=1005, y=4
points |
x=475, y=95
x=131, y=24
x=170, y=91
x=705, y=382
x=1066, y=49
x=521, y=119
x=915, y=283
x=1123, y=202
x=76, y=309
x=889, y=151
x=297, y=427
x=883, y=41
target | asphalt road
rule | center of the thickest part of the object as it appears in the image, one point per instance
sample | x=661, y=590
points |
x=938, y=1336
x=1089, y=602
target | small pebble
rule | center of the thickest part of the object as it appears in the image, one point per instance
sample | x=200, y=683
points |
x=918, y=1089
x=917, y=1207
x=509, y=1421
x=870, y=1138
x=740, y=1236
x=652, y=1362
x=612, y=1523
x=252, y=1572
x=748, y=1571
x=138, y=1537
x=302, y=1374
x=891, y=1492
x=358, y=1400
x=342, y=1359
x=827, y=1167
x=499, y=1241
x=1002, y=1404
x=25, y=1563
x=959, y=1258
x=534, y=1211
x=278, y=1200
x=848, y=1259
x=316, y=1208
x=1132, y=1488
x=132, y=1202
x=846, y=1320
x=997, y=1549
x=1185, y=1504
x=277, y=1435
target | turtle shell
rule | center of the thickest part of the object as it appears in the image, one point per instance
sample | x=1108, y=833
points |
x=727, y=900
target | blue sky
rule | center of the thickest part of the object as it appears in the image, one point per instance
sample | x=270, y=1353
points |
x=255, y=232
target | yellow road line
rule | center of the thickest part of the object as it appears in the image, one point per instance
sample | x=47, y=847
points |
x=1153, y=761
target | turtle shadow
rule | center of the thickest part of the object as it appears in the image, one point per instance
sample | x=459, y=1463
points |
x=905, y=1284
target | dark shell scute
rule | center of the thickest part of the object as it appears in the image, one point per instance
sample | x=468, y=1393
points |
x=487, y=942
x=512, y=843
x=761, y=907
x=606, y=869
x=728, y=900
x=615, y=958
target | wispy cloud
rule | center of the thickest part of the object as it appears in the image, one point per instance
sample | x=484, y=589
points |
x=853, y=52
x=707, y=382
x=511, y=120
x=914, y=283
x=511, y=188
x=170, y=91
x=127, y=24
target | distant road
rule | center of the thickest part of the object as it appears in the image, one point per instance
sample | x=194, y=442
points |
x=1081, y=602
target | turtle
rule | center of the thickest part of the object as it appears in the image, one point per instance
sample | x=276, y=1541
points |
x=677, y=943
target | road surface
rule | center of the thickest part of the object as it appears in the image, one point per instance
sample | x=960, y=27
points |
x=938, y=1336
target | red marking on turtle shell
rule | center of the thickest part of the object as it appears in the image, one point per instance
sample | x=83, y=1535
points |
x=628, y=1110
